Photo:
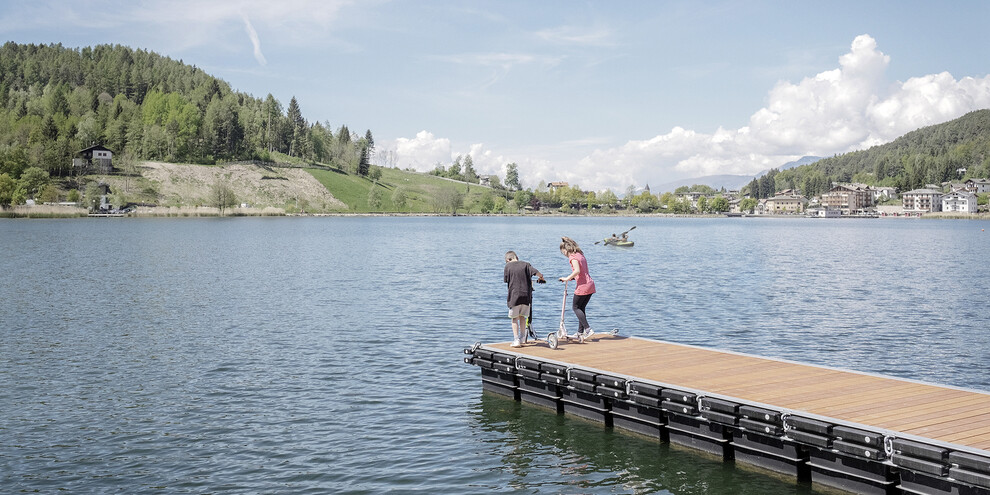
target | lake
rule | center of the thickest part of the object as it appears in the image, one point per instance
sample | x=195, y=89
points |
x=316, y=355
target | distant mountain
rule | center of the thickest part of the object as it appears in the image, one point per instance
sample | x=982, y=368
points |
x=804, y=160
x=730, y=182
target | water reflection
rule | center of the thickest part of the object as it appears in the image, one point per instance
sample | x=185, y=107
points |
x=544, y=452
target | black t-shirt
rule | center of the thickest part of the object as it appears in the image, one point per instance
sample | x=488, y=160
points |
x=518, y=277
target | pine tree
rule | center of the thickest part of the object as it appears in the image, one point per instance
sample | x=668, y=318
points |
x=271, y=123
x=512, y=177
x=298, y=126
x=364, y=165
x=49, y=129
x=469, y=173
x=370, y=143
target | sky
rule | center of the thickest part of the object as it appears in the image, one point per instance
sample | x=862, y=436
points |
x=600, y=94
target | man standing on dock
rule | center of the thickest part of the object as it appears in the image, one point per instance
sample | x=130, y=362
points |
x=519, y=280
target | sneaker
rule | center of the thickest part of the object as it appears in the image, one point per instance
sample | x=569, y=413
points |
x=515, y=343
x=588, y=333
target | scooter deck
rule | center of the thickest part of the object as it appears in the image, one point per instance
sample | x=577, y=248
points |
x=594, y=337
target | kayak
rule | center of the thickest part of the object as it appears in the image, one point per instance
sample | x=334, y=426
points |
x=610, y=242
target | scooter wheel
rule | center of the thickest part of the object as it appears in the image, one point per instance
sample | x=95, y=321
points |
x=552, y=340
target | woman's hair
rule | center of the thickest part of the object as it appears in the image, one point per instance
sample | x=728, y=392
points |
x=568, y=246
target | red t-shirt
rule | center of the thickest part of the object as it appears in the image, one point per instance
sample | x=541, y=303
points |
x=585, y=285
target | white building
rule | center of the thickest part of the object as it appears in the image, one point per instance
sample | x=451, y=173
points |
x=823, y=213
x=959, y=201
x=786, y=204
x=883, y=193
x=979, y=186
x=921, y=200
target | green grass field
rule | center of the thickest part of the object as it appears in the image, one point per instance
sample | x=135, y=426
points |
x=420, y=191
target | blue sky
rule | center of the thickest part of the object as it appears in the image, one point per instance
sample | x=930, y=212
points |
x=601, y=94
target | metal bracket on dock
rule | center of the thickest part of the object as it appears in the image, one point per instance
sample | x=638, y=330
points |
x=888, y=445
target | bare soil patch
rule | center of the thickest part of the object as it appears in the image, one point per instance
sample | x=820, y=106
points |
x=190, y=185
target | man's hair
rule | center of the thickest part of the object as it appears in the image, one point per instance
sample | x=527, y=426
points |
x=511, y=256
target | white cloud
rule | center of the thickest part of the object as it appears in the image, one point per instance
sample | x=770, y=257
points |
x=425, y=151
x=851, y=107
x=577, y=35
x=255, y=41
x=848, y=108
x=927, y=100
x=422, y=152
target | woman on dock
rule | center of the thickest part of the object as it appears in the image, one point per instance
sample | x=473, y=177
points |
x=585, y=284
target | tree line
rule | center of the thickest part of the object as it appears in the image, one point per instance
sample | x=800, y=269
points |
x=55, y=101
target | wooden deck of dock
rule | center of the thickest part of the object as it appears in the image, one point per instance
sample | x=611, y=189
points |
x=857, y=431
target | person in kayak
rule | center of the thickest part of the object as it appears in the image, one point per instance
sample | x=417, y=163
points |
x=519, y=281
x=585, y=284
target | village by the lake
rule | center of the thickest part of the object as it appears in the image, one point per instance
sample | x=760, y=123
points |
x=104, y=195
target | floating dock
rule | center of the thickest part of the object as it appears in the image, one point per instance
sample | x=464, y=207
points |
x=857, y=432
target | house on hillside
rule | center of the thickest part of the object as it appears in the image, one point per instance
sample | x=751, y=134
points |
x=921, y=200
x=486, y=180
x=978, y=186
x=960, y=202
x=553, y=186
x=95, y=158
x=883, y=193
x=104, y=192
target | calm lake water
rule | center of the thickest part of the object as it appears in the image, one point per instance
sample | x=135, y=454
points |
x=316, y=355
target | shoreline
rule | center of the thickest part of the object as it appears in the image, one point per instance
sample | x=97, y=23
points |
x=53, y=211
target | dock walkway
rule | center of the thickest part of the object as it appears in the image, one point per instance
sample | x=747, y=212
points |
x=856, y=431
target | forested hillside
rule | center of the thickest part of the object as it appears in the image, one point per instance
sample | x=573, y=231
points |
x=930, y=155
x=55, y=101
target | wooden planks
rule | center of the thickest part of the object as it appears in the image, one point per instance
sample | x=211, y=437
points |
x=945, y=414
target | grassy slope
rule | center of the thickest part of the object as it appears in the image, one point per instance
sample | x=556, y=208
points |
x=347, y=188
x=352, y=190
x=420, y=190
